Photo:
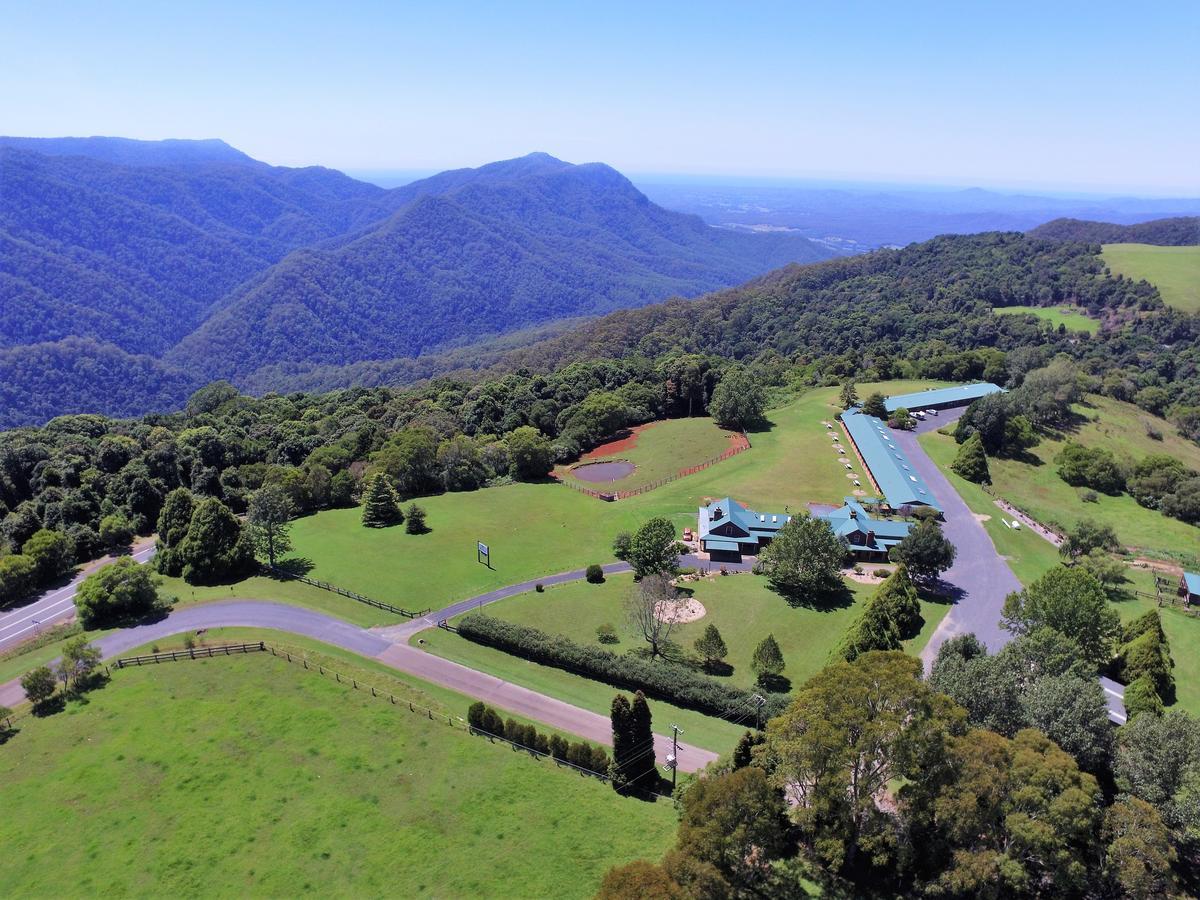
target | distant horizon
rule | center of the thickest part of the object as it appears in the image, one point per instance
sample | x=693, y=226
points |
x=1025, y=97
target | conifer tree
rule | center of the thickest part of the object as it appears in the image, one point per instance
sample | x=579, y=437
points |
x=767, y=662
x=414, y=519
x=711, y=646
x=381, y=506
x=622, y=741
x=644, y=769
x=971, y=462
x=849, y=395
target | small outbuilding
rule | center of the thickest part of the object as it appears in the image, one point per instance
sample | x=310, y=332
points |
x=1189, y=588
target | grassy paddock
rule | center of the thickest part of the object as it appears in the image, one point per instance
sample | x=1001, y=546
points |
x=1120, y=427
x=662, y=450
x=540, y=529
x=1175, y=271
x=248, y=776
x=1072, y=317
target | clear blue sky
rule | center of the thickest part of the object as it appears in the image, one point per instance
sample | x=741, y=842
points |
x=1085, y=95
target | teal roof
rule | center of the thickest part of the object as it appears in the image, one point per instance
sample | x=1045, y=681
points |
x=852, y=519
x=897, y=478
x=960, y=393
x=752, y=524
x=1192, y=581
x=722, y=545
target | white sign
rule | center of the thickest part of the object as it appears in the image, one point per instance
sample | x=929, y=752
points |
x=483, y=548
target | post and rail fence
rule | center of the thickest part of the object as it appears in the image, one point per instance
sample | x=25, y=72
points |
x=189, y=653
x=333, y=588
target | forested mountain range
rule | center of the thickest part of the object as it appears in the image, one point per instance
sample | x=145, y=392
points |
x=174, y=262
x=1179, y=231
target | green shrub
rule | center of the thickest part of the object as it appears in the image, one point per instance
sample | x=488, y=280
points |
x=595, y=574
x=539, y=587
x=606, y=634
x=658, y=679
x=1141, y=697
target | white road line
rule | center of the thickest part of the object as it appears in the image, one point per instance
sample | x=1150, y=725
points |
x=41, y=612
x=1109, y=690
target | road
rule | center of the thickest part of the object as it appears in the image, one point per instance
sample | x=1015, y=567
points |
x=54, y=606
x=980, y=576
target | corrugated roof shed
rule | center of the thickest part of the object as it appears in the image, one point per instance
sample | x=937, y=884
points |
x=1192, y=581
x=897, y=478
x=959, y=394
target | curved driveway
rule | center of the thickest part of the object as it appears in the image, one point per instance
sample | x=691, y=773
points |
x=426, y=666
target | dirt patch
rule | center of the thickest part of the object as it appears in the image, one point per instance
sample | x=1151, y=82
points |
x=981, y=517
x=603, y=472
x=623, y=440
x=679, y=611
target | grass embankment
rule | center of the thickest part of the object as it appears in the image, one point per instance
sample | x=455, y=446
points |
x=1072, y=317
x=246, y=775
x=1036, y=487
x=1175, y=271
x=661, y=450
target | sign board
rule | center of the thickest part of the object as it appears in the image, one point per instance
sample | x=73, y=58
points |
x=483, y=548
x=483, y=554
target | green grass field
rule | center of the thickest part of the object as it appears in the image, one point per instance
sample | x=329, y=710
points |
x=540, y=529
x=662, y=449
x=1119, y=427
x=1072, y=317
x=1175, y=271
x=742, y=607
x=248, y=776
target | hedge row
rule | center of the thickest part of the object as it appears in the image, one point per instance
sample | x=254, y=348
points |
x=485, y=720
x=658, y=679
x=1144, y=665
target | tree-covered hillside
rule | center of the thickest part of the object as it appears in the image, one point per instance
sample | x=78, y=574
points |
x=136, y=246
x=1180, y=231
x=475, y=254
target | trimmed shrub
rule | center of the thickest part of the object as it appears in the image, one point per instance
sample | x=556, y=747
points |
x=1141, y=697
x=558, y=746
x=539, y=587
x=660, y=680
x=595, y=574
x=606, y=634
x=475, y=714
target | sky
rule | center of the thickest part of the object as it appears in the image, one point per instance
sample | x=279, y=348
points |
x=1057, y=94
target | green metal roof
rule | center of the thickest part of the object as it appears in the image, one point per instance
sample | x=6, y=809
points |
x=960, y=393
x=901, y=484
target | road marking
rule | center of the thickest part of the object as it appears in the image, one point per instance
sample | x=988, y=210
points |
x=41, y=611
x=1117, y=694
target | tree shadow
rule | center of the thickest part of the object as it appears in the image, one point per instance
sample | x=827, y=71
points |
x=762, y=426
x=292, y=567
x=820, y=601
x=775, y=684
x=717, y=668
x=50, y=706
x=7, y=732
x=939, y=591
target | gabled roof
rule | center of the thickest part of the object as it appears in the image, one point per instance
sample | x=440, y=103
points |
x=853, y=518
x=897, y=478
x=959, y=393
x=1192, y=581
x=749, y=521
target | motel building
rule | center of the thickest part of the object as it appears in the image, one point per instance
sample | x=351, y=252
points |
x=728, y=530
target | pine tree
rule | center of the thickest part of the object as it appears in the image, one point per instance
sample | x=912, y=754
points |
x=849, y=395
x=622, y=741
x=644, y=769
x=971, y=462
x=767, y=662
x=414, y=519
x=711, y=646
x=899, y=599
x=381, y=507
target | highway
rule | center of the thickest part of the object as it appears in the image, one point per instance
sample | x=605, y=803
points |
x=54, y=606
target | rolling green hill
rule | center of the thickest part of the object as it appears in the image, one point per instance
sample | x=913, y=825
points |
x=1175, y=271
x=1172, y=232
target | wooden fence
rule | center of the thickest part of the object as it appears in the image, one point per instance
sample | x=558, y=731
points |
x=333, y=588
x=189, y=653
x=741, y=444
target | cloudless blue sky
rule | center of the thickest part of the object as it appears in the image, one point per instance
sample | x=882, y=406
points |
x=1052, y=94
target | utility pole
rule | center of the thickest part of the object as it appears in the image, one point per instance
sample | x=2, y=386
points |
x=673, y=759
x=759, y=701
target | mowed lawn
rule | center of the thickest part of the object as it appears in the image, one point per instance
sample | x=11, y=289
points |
x=662, y=449
x=1175, y=271
x=541, y=529
x=1113, y=425
x=1074, y=318
x=743, y=608
x=248, y=776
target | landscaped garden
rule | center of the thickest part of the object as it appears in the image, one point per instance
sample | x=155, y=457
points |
x=247, y=775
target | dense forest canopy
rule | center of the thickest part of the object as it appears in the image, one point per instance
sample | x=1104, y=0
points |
x=1179, y=231
x=214, y=265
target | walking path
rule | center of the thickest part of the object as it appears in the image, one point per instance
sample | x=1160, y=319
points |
x=980, y=576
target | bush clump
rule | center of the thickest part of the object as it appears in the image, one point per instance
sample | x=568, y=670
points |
x=658, y=679
x=484, y=720
x=595, y=574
